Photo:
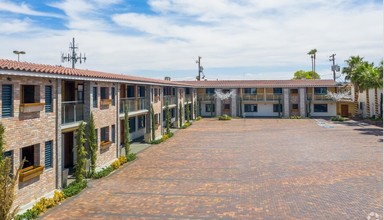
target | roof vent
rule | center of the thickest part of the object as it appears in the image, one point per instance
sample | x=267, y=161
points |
x=167, y=78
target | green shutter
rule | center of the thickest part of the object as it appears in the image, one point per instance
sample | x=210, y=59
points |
x=7, y=101
x=48, y=154
x=48, y=99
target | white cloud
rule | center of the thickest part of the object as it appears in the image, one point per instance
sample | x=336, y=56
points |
x=23, y=8
x=226, y=33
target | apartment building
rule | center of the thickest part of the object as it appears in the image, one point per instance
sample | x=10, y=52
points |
x=42, y=107
x=266, y=98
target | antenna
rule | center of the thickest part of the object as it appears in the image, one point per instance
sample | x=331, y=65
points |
x=200, y=69
x=72, y=56
x=335, y=67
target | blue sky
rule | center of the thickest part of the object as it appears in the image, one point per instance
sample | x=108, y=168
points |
x=237, y=39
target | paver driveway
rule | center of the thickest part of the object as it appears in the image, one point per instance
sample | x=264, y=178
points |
x=244, y=169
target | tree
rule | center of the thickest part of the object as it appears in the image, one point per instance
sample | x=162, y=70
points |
x=80, y=153
x=167, y=118
x=313, y=59
x=195, y=109
x=127, y=146
x=378, y=83
x=352, y=74
x=367, y=81
x=92, y=143
x=301, y=74
x=188, y=112
x=180, y=114
x=7, y=182
x=153, y=123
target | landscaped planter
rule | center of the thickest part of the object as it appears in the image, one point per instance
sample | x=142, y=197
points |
x=104, y=145
x=105, y=101
x=30, y=173
x=31, y=107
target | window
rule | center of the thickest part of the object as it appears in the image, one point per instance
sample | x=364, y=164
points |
x=209, y=107
x=94, y=94
x=173, y=112
x=277, y=91
x=227, y=106
x=141, y=91
x=141, y=121
x=132, y=124
x=277, y=107
x=48, y=155
x=250, y=90
x=7, y=101
x=250, y=108
x=104, y=93
x=31, y=155
x=48, y=99
x=320, y=90
x=113, y=96
x=104, y=134
x=113, y=130
x=131, y=91
x=210, y=91
x=187, y=91
x=30, y=94
x=294, y=91
x=320, y=108
x=80, y=93
x=295, y=106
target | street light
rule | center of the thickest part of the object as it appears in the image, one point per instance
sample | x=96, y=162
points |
x=18, y=54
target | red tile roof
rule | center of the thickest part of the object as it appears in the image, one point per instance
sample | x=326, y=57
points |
x=262, y=83
x=58, y=71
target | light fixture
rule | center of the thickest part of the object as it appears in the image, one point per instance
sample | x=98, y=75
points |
x=18, y=54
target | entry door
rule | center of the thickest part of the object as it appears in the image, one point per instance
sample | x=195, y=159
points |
x=344, y=111
x=227, y=109
x=68, y=150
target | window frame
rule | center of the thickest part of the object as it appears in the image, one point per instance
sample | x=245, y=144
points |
x=250, y=108
x=316, y=109
x=320, y=90
x=210, y=107
x=104, y=134
x=94, y=96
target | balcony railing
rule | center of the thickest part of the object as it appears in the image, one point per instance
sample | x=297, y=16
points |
x=188, y=98
x=72, y=111
x=321, y=97
x=208, y=98
x=253, y=97
x=273, y=97
x=141, y=104
x=170, y=99
x=130, y=102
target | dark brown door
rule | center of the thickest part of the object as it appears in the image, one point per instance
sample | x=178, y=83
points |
x=68, y=150
x=69, y=91
x=122, y=131
x=344, y=110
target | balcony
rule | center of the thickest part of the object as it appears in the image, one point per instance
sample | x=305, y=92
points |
x=188, y=98
x=273, y=97
x=71, y=112
x=253, y=97
x=141, y=104
x=130, y=102
x=321, y=97
x=208, y=97
x=170, y=99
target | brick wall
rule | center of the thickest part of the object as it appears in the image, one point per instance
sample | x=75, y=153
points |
x=35, y=128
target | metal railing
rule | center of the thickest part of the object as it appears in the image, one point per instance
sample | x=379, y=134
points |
x=130, y=102
x=72, y=111
x=321, y=97
x=273, y=97
x=170, y=99
x=208, y=98
x=141, y=104
x=253, y=97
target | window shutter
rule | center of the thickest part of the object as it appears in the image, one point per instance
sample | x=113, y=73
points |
x=48, y=99
x=7, y=101
x=48, y=154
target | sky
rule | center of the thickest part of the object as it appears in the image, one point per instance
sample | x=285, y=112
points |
x=236, y=39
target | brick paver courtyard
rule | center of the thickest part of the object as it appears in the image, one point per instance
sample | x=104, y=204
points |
x=245, y=169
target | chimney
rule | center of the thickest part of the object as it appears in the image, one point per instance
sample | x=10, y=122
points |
x=167, y=78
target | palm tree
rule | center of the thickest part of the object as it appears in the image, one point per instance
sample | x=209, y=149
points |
x=378, y=83
x=353, y=75
x=313, y=58
x=367, y=74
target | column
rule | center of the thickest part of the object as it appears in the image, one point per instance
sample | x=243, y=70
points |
x=285, y=102
x=302, y=105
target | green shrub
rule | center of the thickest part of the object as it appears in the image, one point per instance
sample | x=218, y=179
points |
x=123, y=160
x=198, y=118
x=163, y=138
x=224, y=117
x=295, y=117
x=186, y=125
x=74, y=188
x=116, y=164
x=29, y=214
x=131, y=157
x=103, y=172
x=338, y=118
x=158, y=141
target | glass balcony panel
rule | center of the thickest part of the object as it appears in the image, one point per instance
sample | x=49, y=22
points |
x=71, y=112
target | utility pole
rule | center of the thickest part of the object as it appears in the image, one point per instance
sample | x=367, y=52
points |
x=72, y=56
x=335, y=67
x=200, y=69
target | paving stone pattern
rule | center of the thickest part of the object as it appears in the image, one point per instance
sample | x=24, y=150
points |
x=244, y=169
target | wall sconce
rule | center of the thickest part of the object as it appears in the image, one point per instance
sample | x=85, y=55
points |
x=9, y=79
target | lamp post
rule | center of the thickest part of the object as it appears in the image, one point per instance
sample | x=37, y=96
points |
x=18, y=54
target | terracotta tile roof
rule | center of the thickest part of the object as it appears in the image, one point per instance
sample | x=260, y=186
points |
x=262, y=83
x=58, y=71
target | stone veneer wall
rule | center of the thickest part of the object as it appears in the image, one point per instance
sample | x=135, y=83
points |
x=25, y=129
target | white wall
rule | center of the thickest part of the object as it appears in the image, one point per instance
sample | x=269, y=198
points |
x=263, y=109
x=331, y=110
